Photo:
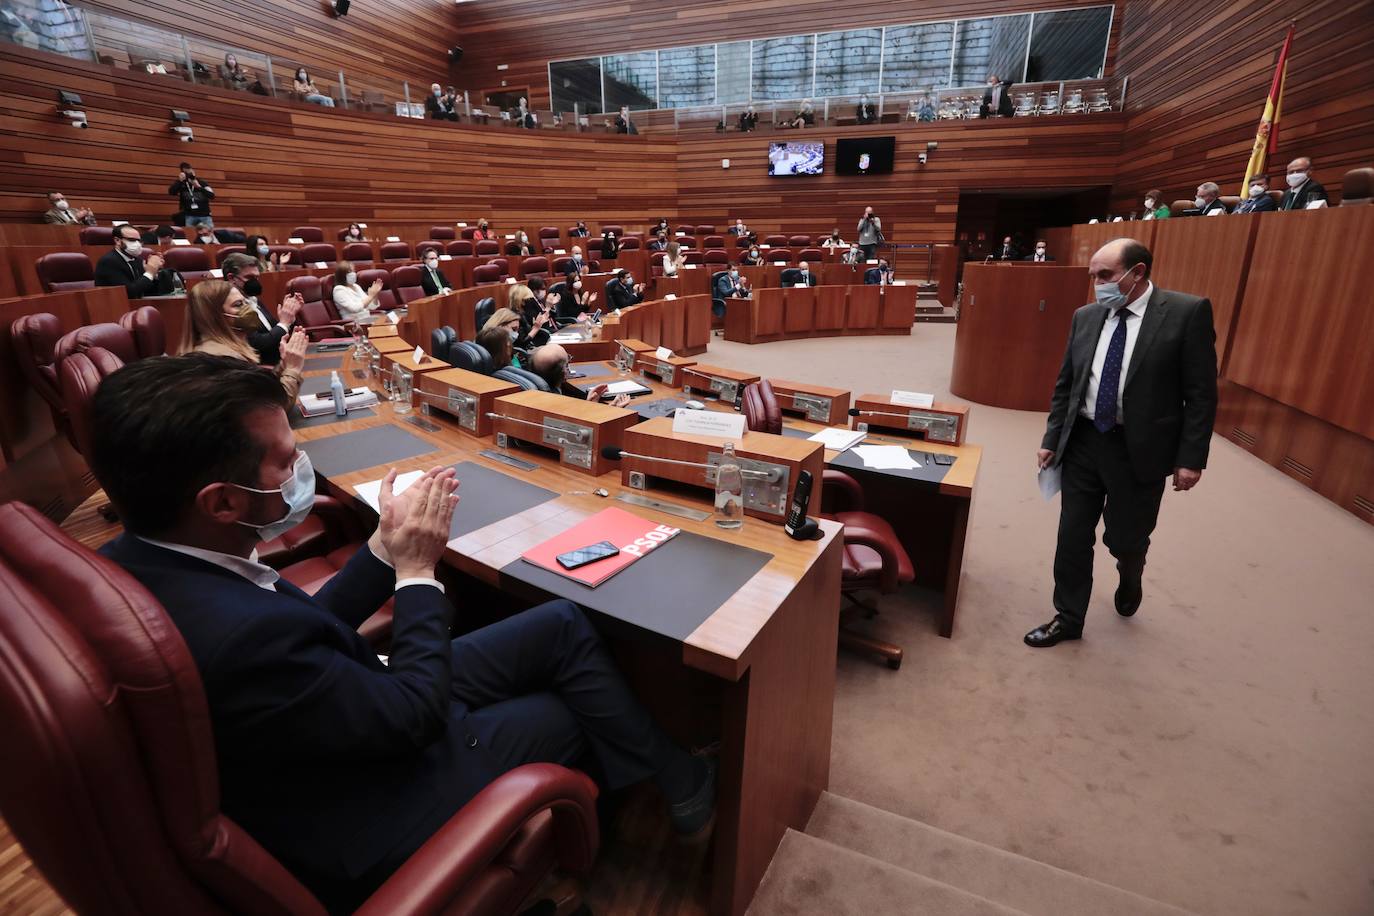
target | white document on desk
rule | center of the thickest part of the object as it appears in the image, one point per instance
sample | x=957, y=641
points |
x=1050, y=479
x=838, y=439
x=886, y=457
x=370, y=491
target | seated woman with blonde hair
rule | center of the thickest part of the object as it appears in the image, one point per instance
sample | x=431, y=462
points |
x=212, y=326
x=353, y=302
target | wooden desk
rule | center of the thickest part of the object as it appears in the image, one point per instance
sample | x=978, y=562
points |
x=1012, y=330
x=759, y=673
x=820, y=311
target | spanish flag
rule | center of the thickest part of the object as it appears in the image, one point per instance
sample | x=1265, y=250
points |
x=1267, y=137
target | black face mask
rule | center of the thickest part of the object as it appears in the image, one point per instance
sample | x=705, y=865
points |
x=252, y=287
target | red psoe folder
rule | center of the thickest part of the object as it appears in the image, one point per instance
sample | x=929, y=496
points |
x=634, y=536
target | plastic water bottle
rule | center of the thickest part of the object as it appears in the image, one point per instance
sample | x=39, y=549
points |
x=729, y=491
x=336, y=388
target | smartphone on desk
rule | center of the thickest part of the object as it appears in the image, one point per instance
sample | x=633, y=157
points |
x=585, y=555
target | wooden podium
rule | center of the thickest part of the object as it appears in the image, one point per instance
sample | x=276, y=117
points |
x=1012, y=330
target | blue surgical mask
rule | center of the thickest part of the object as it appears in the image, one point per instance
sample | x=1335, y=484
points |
x=298, y=492
x=263, y=251
x=1110, y=294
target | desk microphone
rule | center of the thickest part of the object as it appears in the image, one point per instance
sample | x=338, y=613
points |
x=580, y=435
x=615, y=453
x=856, y=412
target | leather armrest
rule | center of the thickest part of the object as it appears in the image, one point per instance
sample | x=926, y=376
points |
x=840, y=493
x=318, y=331
x=343, y=523
x=476, y=835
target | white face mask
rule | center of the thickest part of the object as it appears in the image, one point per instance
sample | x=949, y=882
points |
x=61, y=205
x=263, y=251
x=298, y=492
x=1199, y=202
x=133, y=248
x=432, y=263
x=1256, y=190
x=577, y=285
x=1295, y=179
x=1149, y=203
x=1039, y=251
x=351, y=278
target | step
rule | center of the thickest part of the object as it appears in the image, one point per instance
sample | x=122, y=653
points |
x=812, y=877
x=986, y=871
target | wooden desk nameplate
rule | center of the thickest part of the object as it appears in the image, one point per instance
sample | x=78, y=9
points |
x=406, y=359
x=466, y=396
x=944, y=423
x=775, y=462
x=576, y=430
x=668, y=371
x=816, y=403
x=382, y=329
x=727, y=385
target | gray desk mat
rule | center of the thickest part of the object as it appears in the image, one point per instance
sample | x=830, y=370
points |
x=323, y=361
x=300, y=422
x=592, y=370
x=365, y=448
x=318, y=384
x=669, y=591
x=322, y=349
x=487, y=496
x=663, y=407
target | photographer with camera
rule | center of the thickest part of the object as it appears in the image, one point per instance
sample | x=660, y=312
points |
x=194, y=197
x=870, y=233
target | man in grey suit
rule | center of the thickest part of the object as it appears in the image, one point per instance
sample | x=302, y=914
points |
x=1134, y=402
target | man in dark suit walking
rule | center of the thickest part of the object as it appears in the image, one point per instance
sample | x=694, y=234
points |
x=1134, y=402
x=339, y=764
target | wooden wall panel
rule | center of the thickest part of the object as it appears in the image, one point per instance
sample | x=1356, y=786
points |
x=272, y=162
x=1199, y=74
x=1208, y=257
x=525, y=35
x=1086, y=238
x=1303, y=335
x=391, y=40
x=917, y=203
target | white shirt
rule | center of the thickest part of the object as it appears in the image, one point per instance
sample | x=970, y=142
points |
x=1137, y=309
x=351, y=302
x=669, y=266
x=264, y=577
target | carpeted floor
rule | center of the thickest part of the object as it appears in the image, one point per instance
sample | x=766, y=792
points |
x=1213, y=752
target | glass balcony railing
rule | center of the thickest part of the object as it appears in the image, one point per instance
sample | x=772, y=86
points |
x=61, y=28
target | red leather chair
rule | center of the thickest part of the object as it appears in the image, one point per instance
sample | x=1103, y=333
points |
x=386, y=299
x=316, y=253
x=35, y=338
x=716, y=256
x=107, y=336
x=111, y=786
x=405, y=283
x=777, y=256
x=692, y=257
x=146, y=327
x=443, y=233
x=617, y=231
x=462, y=248
x=873, y=559
x=396, y=251
x=359, y=253
x=533, y=267
x=799, y=241
x=468, y=232
x=686, y=230
x=742, y=241
x=760, y=407
x=421, y=249
x=704, y=229
x=280, y=250
x=713, y=241
x=64, y=270
x=191, y=262
x=226, y=250
x=549, y=239
x=78, y=377
x=811, y=254
x=488, y=247
x=308, y=234
x=1357, y=187
x=777, y=241
x=484, y=274
x=628, y=243
x=685, y=242
x=318, y=316
x=96, y=235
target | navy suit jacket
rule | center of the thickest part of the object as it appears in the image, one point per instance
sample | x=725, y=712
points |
x=338, y=765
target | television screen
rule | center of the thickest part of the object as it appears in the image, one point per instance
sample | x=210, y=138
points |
x=864, y=155
x=796, y=158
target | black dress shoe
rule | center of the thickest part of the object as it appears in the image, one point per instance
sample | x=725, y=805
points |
x=1051, y=634
x=1129, y=593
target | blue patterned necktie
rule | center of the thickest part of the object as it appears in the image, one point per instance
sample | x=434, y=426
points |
x=1104, y=414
